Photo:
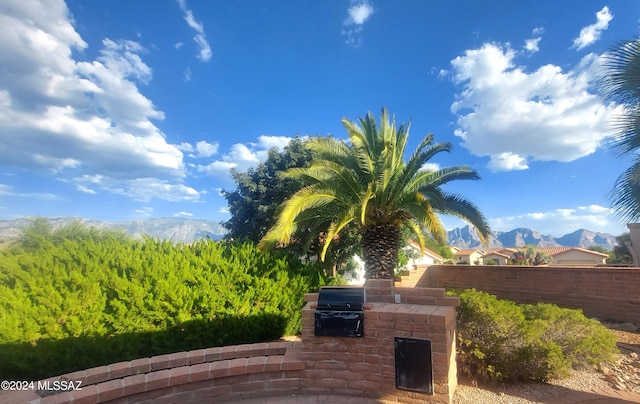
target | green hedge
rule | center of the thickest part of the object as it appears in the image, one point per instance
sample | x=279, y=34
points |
x=68, y=303
x=501, y=340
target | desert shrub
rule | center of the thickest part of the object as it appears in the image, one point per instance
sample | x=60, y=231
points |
x=74, y=298
x=501, y=340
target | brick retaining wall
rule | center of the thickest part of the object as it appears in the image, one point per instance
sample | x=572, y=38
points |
x=223, y=373
x=605, y=293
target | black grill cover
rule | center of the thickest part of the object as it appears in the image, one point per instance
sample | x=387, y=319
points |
x=340, y=312
x=342, y=298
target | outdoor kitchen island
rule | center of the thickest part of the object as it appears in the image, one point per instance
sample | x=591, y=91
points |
x=403, y=351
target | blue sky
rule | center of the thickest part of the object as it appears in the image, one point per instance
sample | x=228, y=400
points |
x=122, y=110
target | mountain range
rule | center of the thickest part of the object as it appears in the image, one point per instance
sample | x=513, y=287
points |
x=466, y=237
x=169, y=228
x=189, y=230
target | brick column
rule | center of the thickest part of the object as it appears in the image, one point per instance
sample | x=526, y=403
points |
x=379, y=290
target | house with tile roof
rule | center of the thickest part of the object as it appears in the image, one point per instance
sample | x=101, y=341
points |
x=499, y=257
x=574, y=256
x=559, y=256
x=468, y=257
x=423, y=257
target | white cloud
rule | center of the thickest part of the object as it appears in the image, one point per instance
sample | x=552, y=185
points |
x=200, y=38
x=138, y=189
x=512, y=115
x=183, y=214
x=532, y=45
x=7, y=191
x=506, y=162
x=217, y=168
x=357, y=14
x=591, y=33
x=430, y=166
x=85, y=189
x=145, y=211
x=179, y=45
x=561, y=221
x=205, y=149
x=186, y=76
x=267, y=142
x=244, y=156
x=538, y=31
x=79, y=119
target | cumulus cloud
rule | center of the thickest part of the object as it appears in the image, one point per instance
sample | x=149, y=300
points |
x=591, y=33
x=532, y=45
x=430, y=166
x=357, y=14
x=203, y=149
x=244, y=156
x=140, y=189
x=559, y=222
x=78, y=119
x=200, y=38
x=514, y=116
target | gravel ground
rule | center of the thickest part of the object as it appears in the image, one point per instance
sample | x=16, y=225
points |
x=623, y=374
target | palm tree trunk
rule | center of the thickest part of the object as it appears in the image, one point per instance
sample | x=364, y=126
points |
x=380, y=245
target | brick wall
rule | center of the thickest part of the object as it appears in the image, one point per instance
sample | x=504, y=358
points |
x=365, y=365
x=204, y=375
x=605, y=293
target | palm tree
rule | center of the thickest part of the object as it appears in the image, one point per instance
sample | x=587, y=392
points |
x=621, y=85
x=367, y=184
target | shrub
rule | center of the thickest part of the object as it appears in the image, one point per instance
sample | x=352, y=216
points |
x=501, y=340
x=73, y=298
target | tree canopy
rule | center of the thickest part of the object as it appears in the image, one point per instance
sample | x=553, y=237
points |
x=366, y=183
x=621, y=85
x=261, y=191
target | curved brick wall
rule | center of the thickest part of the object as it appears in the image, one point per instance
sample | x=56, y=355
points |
x=224, y=373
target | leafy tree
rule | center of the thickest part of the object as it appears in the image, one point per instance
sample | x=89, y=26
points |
x=620, y=253
x=530, y=256
x=259, y=193
x=622, y=85
x=367, y=183
x=602, y=250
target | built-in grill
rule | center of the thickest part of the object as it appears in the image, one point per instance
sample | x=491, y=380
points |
x=340, y=311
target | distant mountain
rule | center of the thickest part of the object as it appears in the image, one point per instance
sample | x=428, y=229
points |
x=189, y=230
x=467, y=237
x=170, y=228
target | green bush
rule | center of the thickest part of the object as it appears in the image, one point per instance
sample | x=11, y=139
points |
x=504, y=341
x=77, y=298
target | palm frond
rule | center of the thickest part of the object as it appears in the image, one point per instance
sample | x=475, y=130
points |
x=307, y=198
x=335, y=229
x=457, y=206
x=625, y=196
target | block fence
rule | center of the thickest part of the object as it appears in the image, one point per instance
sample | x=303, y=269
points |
x=606, y=293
